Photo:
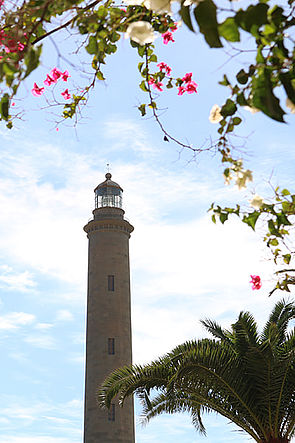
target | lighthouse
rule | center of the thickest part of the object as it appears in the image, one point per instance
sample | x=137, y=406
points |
x=108, y=331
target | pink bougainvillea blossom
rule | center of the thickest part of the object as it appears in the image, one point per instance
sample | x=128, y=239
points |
x=164, y=67
x=188, y=77
x=66, y=95
x=155, y=84
x=181, y=90
x=49, y=80
x=36, y=91
x=13, y=104
x=65, y=75
x=167, y=37
x=256, y=281
x=55, y=74
x=191, y=87
x=1, y=3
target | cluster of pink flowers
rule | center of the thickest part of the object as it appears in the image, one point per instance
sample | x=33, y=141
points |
x=256, y=281
x=164, y=67
x=11, y=44
x=52, y=78
x=190, y=86
x=155, y=84
x=168, y=36
x=1, y=3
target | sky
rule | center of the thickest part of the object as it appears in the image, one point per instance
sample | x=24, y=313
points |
x=183, y=267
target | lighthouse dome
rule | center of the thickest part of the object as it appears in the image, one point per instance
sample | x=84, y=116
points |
x=108, y=193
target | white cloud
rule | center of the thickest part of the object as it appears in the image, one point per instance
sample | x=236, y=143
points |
x=15, y=320
x=43, y=326
x=41, y=341
x=17, y=281
x=64, y=315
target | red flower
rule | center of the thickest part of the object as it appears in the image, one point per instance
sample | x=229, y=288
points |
x=174, y=27
x=181, y=90
x=66, y=94
x=256, y=282
x=55, y=74
x=36, y=91
x=155, y=85
x=188, y=77
x=49, y=80
x=191, y=87
x=163, y=67
x=167, y=37
x=65, y=75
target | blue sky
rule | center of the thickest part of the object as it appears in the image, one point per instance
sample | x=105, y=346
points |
x=183, y=267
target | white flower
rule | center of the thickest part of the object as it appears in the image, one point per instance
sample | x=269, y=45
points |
x=243, y=177
x=215, y=116
x=192, y=2
x=256, y=201
x=158, y=6
x=251, y=109
x=290, y=105
x=141, y=32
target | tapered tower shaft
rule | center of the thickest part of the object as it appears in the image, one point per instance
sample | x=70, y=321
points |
x=108, y=335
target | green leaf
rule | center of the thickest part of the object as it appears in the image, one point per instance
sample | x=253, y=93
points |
x=242, y=77
x=229, y=108
x=141, y=108
x=251, y=219
x=241, y=99
x=92, y=47
x=32, y=60
x=272, y=229
x=205, y=15
x=229, y=30
x=282, y=219
x=223, y=216
x=4, y=107
x=143, y=86
x=285, y=192
x=225, y=81
x=264, y=98
x=287, y=258
x=99, y=75
x=153, y=58
x=237, y=121
x=213, y=218
x=286, y=80
x=186, y=17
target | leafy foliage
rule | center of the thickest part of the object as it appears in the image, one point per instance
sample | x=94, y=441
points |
x=247, y=377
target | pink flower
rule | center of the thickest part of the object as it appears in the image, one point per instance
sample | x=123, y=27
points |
x=65, y=75
x=20, y=47
x=36, y=91
x=49, y=80
x=256, y=282
x=181, y=90
x=167, y=37
x=155, y=85
x=13, y=104
x=188, y=77
x=55, y=74
x=174, y=27
x=191, y=87
x=66, y=94
x=163, y=67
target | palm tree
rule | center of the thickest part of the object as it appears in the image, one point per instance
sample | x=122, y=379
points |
x=247, y=377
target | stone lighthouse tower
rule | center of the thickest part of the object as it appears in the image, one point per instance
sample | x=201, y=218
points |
x=108, y=335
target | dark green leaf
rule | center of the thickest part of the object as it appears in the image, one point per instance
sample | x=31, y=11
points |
x=237, y=121
x=242, y=77
x=205, y=14
x=229, y=108
x=142, y=109
x=223, y=216
x=251, y=219
x=186, y=17
x=4, y=107
x=264, y=98
x=287, y=258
